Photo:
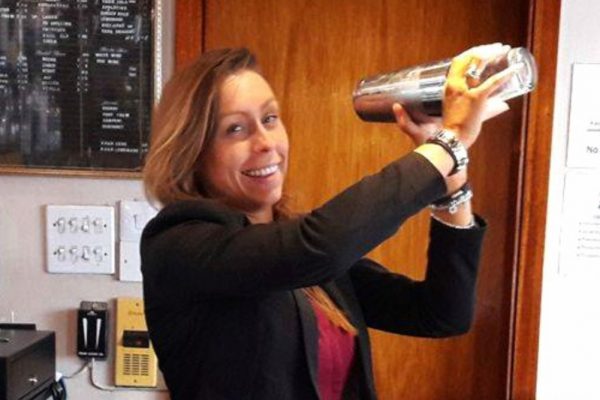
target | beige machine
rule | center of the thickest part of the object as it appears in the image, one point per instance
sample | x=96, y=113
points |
x=135, y=361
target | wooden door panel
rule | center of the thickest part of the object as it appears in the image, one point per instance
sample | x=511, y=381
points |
x=313, y=52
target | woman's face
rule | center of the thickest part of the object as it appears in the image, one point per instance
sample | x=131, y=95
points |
x=247, y=161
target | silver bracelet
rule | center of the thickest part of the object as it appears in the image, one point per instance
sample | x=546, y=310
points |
x=470, y=225
x=451, y=202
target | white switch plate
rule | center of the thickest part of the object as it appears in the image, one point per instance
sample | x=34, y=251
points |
x=129, y=262
x=80, y=239
x=134, y=215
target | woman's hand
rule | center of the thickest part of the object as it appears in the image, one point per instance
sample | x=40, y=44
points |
x=467, y=102
x=466, y=105
x=418, y=132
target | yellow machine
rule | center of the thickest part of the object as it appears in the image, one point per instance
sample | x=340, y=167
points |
x=135, y=361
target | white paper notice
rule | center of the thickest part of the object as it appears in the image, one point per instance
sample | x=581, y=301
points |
x=584, y=121
x=580, y=230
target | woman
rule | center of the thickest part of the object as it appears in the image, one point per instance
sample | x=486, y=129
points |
x=244, y=301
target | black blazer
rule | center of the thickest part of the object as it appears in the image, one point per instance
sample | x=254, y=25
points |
x=223, y=302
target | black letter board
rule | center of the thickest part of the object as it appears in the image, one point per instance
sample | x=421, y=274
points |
x=75, y=83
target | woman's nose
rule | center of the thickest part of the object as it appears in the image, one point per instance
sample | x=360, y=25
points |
x=263, y=140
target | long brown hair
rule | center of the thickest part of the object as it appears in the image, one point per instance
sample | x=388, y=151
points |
x=183, y=126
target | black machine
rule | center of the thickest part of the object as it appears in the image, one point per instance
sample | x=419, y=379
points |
x=27, y=363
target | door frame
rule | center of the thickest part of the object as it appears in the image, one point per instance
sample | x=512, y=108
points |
x=544, y=18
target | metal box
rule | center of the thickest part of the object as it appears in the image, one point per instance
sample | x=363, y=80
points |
x=27, y=363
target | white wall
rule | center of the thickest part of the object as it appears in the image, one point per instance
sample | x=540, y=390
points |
x=29, y=293
x=51, y=300
x=570, y=321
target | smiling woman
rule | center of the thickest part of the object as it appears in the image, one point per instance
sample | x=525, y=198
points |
x=245, y=300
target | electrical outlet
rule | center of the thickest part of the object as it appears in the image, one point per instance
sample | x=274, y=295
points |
x=80, y=239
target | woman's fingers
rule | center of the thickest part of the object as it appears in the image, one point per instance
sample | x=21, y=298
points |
x=419, y=133
x=468, y=66
x=494, y=82
x=461, y=66
x=467, y=91
x=474, y=54
x=404, y=121
x=493, y=107
x=483, y=48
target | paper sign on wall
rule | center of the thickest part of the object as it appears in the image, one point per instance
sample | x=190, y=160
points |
x=580, y=230
x=584, y=121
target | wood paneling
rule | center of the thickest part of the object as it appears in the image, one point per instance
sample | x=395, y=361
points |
x=313, y=53
x=188, y=31
x=536, y=164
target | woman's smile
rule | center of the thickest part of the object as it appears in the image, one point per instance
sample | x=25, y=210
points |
x=263, y=172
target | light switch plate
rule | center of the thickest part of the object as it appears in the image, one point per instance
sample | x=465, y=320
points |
x=80, y=239
x=129, y=262
x=133, y=217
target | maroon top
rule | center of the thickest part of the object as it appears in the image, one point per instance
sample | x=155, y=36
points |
x=336, y=352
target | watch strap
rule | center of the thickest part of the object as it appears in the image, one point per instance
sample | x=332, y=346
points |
x=447, y=139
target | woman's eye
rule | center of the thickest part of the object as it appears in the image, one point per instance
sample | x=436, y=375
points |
x=270, y=119
x=234, y=128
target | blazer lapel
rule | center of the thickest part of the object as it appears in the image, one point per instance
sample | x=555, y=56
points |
x=310, y=334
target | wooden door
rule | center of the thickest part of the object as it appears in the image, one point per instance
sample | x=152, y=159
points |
x=313, y=52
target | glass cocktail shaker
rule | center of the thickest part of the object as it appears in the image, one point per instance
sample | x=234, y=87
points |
x=420, y=89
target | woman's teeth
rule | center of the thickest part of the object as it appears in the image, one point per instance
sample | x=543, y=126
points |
x=261, y=171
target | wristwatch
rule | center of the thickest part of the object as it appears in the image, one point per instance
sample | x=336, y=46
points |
x=453, y=146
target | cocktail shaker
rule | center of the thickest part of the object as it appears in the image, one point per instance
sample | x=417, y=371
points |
x=420, y=89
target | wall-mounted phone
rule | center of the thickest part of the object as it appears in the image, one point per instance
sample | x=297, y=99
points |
x=92, y=326
x=135, y=361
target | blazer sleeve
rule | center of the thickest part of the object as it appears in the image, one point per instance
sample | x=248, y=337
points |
x=205, y=251
x=440, y=305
